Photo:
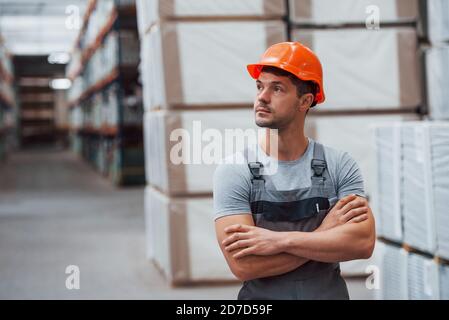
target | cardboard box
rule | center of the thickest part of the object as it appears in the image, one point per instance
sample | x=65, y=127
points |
x=437, y=79
x=329, y=12
x=366, y=69
x=181, y=239
x=188, y=64
x=176, y=147
x=153, y=11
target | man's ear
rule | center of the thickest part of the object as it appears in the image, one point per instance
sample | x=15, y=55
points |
x=305, y=101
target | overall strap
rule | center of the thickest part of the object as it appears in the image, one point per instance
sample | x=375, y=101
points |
x=255, y=167
x=318, y=161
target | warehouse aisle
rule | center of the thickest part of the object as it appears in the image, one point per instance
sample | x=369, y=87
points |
x=57, y=211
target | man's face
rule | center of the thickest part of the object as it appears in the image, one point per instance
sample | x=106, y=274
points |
x=276, y=101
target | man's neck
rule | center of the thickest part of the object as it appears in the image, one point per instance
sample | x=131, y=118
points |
x=291, y=144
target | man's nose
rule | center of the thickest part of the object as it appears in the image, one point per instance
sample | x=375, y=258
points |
x=264, y=96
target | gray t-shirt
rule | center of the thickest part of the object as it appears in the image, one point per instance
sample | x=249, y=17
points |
x=232, y=178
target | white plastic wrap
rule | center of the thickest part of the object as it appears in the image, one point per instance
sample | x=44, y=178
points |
x=422, y=278
x=332, y=12
x=365, y=69
x=204, y=63
x=393, y=272
x=439, y=134
x=181, y=239
x=437, y=79
x=153, y=11
x=443, y=274
x=418, y=203
x=436, y=26
x=193, y=175
x=387, y=197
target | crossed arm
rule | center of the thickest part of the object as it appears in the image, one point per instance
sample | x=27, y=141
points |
x=347, y=233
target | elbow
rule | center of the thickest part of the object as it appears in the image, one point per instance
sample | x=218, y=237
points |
x=241, y=272
x=367, y=247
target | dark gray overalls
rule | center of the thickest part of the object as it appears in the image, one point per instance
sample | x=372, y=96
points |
x=295, y=210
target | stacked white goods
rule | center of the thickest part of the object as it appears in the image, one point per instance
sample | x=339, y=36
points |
x=155, y=11
x=418, y=197
x=443, y=274
x=422, y=278
x=352, y=11
x=437, y=78
x=387, y=196
x=181, y=237
x=180, y=145
x=393, y=272
x=182, y=72
x=353, y=84
x=435, y=20
x=195, y=86
x=439, y=135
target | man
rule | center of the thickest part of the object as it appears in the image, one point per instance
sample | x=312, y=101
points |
x=284, y=234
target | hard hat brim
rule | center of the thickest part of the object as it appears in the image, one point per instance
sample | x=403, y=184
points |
x=255, y=69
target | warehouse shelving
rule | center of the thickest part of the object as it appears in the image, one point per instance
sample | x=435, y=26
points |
x=106, y=129
x=8, y=107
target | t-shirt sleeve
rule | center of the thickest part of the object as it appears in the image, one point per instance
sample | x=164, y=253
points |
x=350, y=180
x=231, y=190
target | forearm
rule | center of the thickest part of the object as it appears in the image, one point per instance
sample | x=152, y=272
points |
x=343, y=243
x=253, y=266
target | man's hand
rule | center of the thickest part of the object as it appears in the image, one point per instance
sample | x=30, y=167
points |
x=255, y=240
x=350, y=209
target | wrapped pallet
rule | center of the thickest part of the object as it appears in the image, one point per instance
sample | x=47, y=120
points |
x=393, y=272
x=181, y=239
x=387, y=197
x=156, y=10
x=422, y=278
x=418, y=196
x=330, y=12
x=389, y=81
x=182, y=72
x=437, y=79
x=439, y=134
x=177, y=146
x=443, y=274
x=434, y=20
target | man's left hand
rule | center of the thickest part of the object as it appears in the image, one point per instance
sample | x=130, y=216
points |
x=254, y=240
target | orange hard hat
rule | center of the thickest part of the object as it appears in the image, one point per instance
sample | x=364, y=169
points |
x=294, y=58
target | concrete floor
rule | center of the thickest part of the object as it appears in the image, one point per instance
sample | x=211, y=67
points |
x=57, y=211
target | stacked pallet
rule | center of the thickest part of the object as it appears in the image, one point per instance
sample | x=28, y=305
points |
x=195, y=87
x=407, y=274
x=434, y=28
x=370, y=59
x=8, y=107
x=413, y=191
x=106, y=108
x=413, y=187
x=392, y=261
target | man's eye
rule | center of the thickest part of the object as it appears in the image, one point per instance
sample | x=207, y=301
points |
x=258, y=88
x=277, y=89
